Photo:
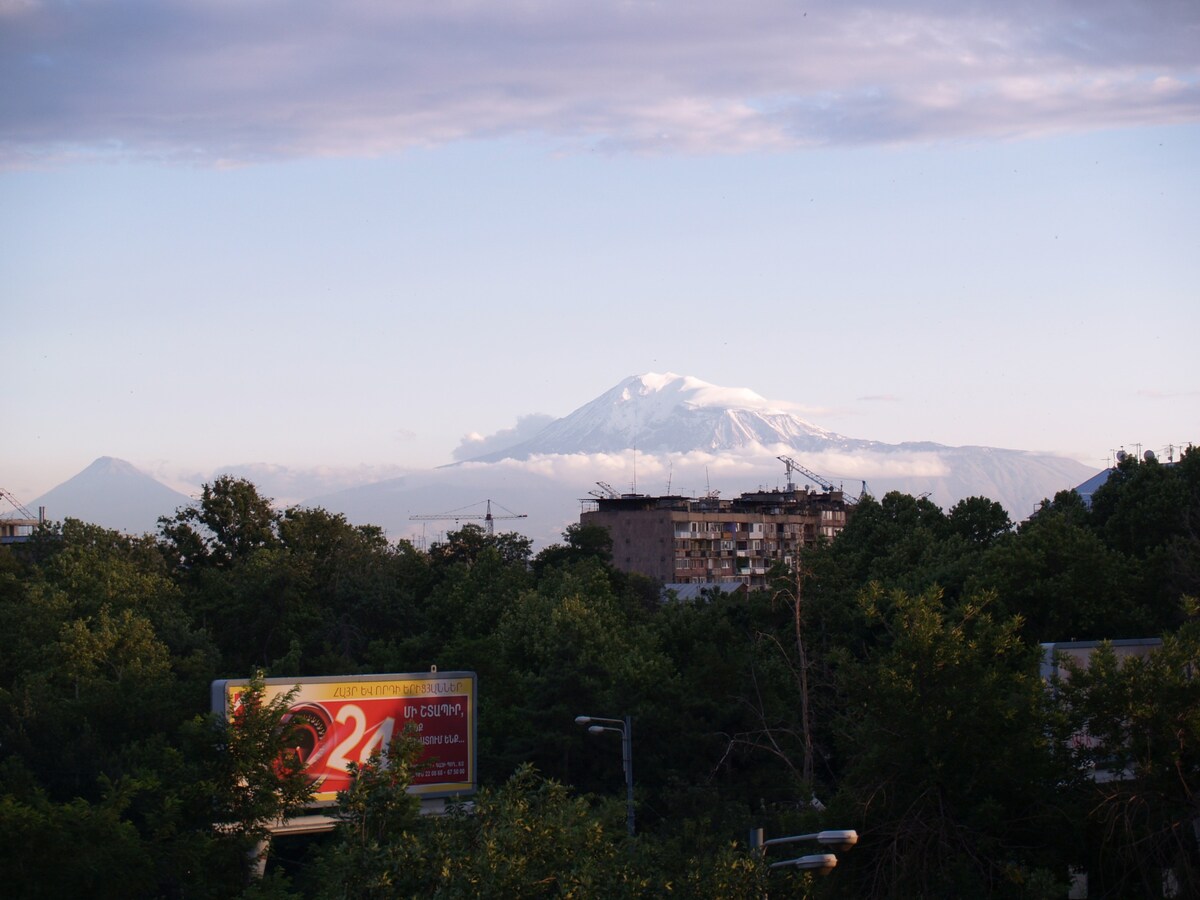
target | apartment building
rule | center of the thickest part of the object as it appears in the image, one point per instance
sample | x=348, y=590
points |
x=710, y=540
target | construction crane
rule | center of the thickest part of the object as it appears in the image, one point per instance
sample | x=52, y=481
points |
x=18, y=527
x=17, y=505
x=606, y=492
x=459, y=514
x=812, y=476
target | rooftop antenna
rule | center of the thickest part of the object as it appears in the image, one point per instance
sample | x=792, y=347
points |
x=635, y=440
x=670, y=473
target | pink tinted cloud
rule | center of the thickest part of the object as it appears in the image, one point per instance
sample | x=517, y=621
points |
x=243, y=81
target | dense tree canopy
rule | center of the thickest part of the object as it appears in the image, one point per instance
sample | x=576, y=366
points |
x=889, y=684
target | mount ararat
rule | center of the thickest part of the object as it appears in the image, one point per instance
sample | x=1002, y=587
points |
x=653, y=434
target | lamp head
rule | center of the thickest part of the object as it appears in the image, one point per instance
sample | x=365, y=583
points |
x=582, y=720
x=819, y=863
x=838, y=840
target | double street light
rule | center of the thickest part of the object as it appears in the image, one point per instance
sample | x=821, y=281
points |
x=821, y=863
x=623, y=727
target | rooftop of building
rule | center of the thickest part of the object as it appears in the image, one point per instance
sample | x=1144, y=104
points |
x=774, y=502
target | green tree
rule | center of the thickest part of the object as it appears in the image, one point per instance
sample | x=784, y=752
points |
x=75, y=849
x=528, y=837
x=100, y=655
x=258, y=780
x=950, y=771
x=471, y=542
x=580, y=542
x=570, y=648
x=375, y=849
x=735, y=698
x=1065, y=583
x=230, y=522
x=1137, y=724
x=979, y=520
x=357, y=586
x=1150, y=512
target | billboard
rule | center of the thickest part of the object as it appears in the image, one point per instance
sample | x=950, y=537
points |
x=344, y=719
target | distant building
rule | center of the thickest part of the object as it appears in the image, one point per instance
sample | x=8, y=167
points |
x=1089, y=487
x=709, y=540
x=696, y=590
x=16, y=531
x=18, y=526
x=1079, y=653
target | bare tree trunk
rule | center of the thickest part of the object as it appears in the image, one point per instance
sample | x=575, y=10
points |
x=805, y=719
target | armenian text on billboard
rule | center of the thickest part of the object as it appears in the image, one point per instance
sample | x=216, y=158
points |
x=341, y=720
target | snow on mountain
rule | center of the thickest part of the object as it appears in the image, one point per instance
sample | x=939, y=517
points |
x=653, y=433
x=666, y=433
x=670, y=414
x=112, y=493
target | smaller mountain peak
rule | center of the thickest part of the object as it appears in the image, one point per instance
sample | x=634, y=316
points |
x=115, y=494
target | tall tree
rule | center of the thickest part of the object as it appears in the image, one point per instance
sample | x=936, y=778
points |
x=231, y=521
x=1137, y=733
x=950, y=769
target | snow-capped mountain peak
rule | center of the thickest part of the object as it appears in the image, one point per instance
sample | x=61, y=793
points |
x=655, y=392
x=677, y=423
x=669, y=413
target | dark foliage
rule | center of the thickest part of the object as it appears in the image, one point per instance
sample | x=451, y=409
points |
x=891, y=685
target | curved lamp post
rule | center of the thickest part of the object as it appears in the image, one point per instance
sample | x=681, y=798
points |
x=623, y=727
x=821, y=863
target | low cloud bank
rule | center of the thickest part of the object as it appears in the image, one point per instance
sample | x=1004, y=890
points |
x=475, y=444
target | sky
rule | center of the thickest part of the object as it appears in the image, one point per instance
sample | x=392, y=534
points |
x=360, y=237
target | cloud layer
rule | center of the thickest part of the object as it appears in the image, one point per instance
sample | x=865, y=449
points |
x=476, y=444
x=218, y=80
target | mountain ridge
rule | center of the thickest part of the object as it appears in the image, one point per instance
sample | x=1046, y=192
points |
x=680, y=432
x=656, y=413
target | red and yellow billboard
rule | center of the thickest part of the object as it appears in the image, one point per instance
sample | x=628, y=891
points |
x=338, y=720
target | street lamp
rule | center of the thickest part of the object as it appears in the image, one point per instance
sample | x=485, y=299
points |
x=623, y=727
x=821, y=863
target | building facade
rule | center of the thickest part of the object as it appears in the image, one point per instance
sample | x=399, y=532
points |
x=710, y=540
